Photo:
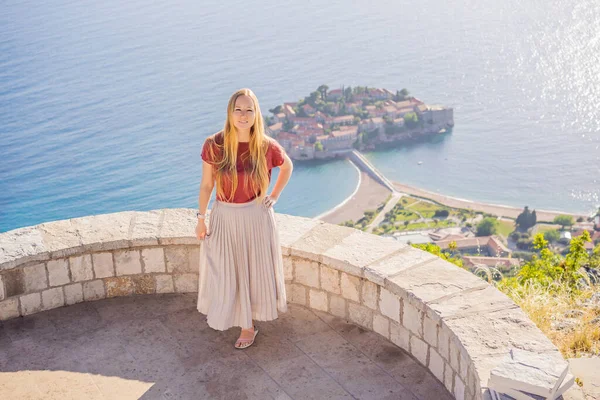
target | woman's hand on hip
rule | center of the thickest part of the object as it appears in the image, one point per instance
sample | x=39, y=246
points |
x=270, y=200
x=201, y=229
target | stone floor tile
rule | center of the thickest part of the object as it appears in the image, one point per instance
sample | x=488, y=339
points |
x=301, y=378
x=144, y=348
x=36, y=327
x=329, y=348
x=365, y=380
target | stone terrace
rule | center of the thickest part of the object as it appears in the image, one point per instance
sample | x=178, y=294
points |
x=454, y=324
x=160, y=347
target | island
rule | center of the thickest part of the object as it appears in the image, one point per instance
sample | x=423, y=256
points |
x=331, y=123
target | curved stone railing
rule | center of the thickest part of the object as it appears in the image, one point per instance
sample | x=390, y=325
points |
x=454, y=323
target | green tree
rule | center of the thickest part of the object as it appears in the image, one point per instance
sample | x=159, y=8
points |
x=323, y=90
x=564, y=220
x=411, y=120
x=275, y=110
x=318, y=146
x=436, y=250
x=526, y=219
x=488, y=226
x=552, y=235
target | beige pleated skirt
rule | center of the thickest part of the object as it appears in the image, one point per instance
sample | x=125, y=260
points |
x=241, y=267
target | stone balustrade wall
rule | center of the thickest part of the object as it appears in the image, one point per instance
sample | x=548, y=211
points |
x=455, y=324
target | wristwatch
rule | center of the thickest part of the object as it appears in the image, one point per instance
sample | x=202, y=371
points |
x=200, y=215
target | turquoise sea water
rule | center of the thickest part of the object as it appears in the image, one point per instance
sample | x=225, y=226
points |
x=104, y=106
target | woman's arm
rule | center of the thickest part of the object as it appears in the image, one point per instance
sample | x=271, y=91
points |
x=206, y=188
x=285, y=172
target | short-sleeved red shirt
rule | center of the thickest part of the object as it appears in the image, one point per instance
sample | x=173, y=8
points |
x=274, y=155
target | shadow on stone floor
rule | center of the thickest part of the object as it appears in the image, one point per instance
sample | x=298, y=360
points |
x=160, y=347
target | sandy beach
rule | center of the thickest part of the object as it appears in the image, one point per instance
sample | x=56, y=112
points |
x=494, y=209
x=370, y=194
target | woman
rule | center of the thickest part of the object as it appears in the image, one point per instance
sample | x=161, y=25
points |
x=241, y=267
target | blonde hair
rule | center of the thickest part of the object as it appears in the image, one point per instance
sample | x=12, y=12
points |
x=226, y=166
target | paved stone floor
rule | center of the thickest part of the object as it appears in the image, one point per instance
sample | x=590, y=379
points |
x=160, y=347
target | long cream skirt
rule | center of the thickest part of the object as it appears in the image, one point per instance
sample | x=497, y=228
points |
x=241, y=267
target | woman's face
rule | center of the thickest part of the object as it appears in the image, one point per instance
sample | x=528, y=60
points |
x=243, y=113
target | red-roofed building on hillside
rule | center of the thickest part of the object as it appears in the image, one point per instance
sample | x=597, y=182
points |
x=482, y=245
x=289, y=111
x=334, y=94
x=276, y=128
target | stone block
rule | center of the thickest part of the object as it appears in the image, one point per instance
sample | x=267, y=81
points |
x=20, y=246
x=412, y=319
x=431, y=281
x=186, y=283
x=58, y=272
x=350, y=287
x=9, y=309
x=354, y=252
x=444, y=343
x=31, y=303
x=119, y=286
x=53, y=298
x=144, y=228
x=405, y=259
x=399, y=335
x=318, y=300
x=292, y=228
x=430, y=329
x=153, y=260
x=93, y=290
x=298, y=294
x=35, y=278
x=389, y=304
x=288, y=269
x=164, y=284
x=103, y=265
x=143, y=284
x=464, y=365
x=2, y=292
x=330, y=280
x=194, y=259
x=317, y=240
x=127, y=262
x=418, y=349
x=381, y=325
x=103, y=232
x=360, y=315
x=337, y=306
x=73, y=293
x=81, y=268
x=370, y=294
x=454, y=357
x=14, y=282
x=459, y=388
x=177, y=227
x=478, y=300
x=307, y=272
x=178, y=259
x=449, y=378
x=436, y=364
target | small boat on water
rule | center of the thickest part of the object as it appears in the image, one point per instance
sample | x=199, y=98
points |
x=420, y=162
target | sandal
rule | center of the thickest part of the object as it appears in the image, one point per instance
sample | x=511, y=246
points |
x=243, y=343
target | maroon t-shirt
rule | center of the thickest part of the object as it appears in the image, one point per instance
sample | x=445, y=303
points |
x=242, y=194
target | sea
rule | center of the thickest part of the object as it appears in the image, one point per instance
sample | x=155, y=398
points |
x=104, y=106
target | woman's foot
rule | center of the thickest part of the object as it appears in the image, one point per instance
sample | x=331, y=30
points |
x=246, y=338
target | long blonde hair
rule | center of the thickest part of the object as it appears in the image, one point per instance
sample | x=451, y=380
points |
x=226, y=166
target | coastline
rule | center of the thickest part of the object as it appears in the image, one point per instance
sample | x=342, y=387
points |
x=347, y=199
x=369, y=193
x=499, y=210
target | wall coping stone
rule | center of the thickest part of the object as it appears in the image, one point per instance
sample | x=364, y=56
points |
x=480, y=323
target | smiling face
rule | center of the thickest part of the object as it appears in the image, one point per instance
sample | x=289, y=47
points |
x=243, y=114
